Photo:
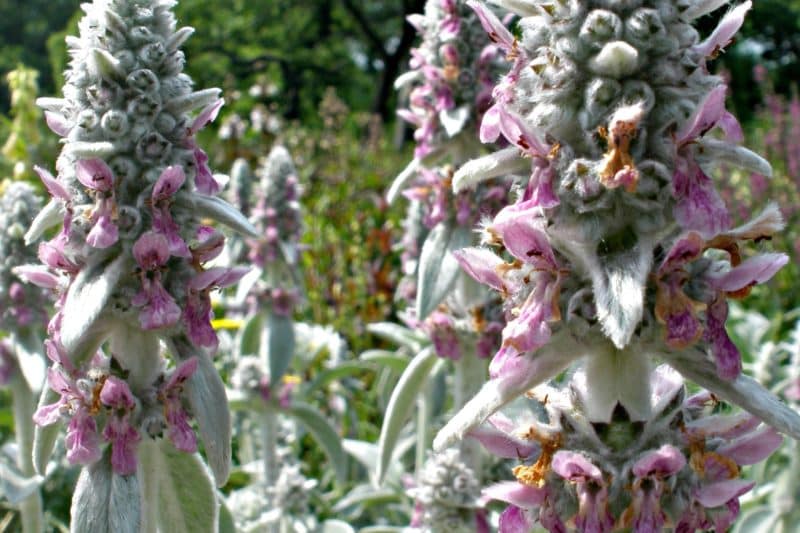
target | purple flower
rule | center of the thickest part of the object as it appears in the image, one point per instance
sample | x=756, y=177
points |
x=96, y=176
x=197, y=313
x=208, y=244
x=82, y=441
x=123, y=437
x=441, y=329
x=159, y=309
x=645, y=514
x=179, y=431
x=170, y=180
x=685, y=264
x=204, y=180
x=698, y=206
x=593, y=514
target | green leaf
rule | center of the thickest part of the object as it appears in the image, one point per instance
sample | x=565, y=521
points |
x=325, y=435
x=401, y=405
x=278, y=341
x=84, y=324
x=29, y=351
x=340, y=371
x=250, y=335
x=105, y=502
x=385, y=358
x=187, y=500
x=210, y=406
x=44, y=437
x=226, y=521
x=438, y=268
x=398, y=334
x=366, y=495
x=760, y=519
x=366, y=453
x=336, y=526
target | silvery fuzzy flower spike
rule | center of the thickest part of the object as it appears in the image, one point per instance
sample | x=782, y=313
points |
x=450, y=83
x=131, y=189
x=24, y=306
x=621, y=249
x=23, y=320
x=447, y=496
x=273, y=288
x=679, y=470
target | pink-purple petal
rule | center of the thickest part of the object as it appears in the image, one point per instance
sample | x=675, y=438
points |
x=151, y=250
x=52, y=185
x=705, y=117
x=725, y=352
x=514, y=520
x=95, y=174
x=124, y=440
x=724, y=32
x=665, y=461
x=482, y=265
x=82, y=441
x=575, y=466
x=492, y=25
x=721, y=492
x=168, y=183
x=752, y=448
x=207, y=115
x=698, y=205
x=57, y=123
x=504, y=445
x=116, y=393
x=515, y=493
x=754, y=270
x=104, y=233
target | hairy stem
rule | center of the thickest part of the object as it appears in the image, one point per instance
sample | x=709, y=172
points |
x=470, y=374
x=24, y=405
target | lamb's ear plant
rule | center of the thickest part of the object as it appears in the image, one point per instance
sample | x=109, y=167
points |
x=267, y=395
x=23, y=320
x=449, y=90
x=131, y=193
x=618, y=253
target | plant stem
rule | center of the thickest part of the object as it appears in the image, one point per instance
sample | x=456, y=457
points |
x=423, y=427
x=24, y=405
x=269, y=434
x=148, y=455
x=470, y=374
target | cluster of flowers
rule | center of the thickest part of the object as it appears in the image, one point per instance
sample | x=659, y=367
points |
x=620, y=251
x=451, y=77
x=21, y=305
x=277, y=218
x=447, y=497
x=678, y=467
x=452, y=72
x=131, y=190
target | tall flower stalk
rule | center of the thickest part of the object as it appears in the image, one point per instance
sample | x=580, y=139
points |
x=618, y=250
x=272, y=291
x=24, y=317
x=131, y=190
